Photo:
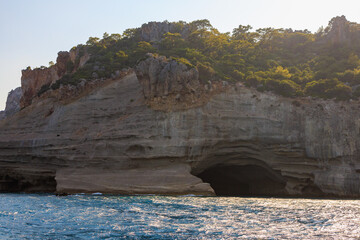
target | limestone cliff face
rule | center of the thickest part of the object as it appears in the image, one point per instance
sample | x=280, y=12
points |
x=13, y=102
x=341, y=31
x=160, y=77
x=33, y=79
x=239, y=141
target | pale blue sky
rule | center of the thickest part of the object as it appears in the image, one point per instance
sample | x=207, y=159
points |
x=32, y=32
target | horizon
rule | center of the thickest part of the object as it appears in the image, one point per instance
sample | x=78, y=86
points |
x=34, y=32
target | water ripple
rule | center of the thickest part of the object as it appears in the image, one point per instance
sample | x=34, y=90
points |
x=31, y=216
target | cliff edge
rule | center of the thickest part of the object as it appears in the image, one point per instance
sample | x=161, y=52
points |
x=238, y=142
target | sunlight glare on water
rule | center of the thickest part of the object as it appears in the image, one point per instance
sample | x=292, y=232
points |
x=32, y=216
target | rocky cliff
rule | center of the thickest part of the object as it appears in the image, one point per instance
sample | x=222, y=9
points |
x=12, y=103
x=340, y=31
x=236, y=141
x=160, y=77
x=33, y=79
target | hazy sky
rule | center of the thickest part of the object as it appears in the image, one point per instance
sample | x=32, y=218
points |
x=32, y=32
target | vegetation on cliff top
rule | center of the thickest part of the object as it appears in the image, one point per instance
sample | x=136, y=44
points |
x=292, y=63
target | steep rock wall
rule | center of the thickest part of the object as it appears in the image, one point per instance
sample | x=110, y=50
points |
x=110, y=140
x=13, y=102
x=161, y=77
x=33, y=79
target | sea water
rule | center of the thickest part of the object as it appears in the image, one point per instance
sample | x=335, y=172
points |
x=36, y=216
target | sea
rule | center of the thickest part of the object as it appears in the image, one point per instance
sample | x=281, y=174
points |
x=97, y=216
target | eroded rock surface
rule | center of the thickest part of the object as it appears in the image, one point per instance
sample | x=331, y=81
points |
x=13, y=102
x=33, y=79
x=240, y=141
x=341, y=31
x=160, y=77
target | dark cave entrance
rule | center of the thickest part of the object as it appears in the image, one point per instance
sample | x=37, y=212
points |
x=10, y=182
x=248, y=180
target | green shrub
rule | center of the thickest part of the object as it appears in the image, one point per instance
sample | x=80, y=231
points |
x=318, y=88
x=183, y=61
x=285, y=88
x=43, y=89
x=287, y=62
x=238, y=75
x=340, y=92
x=288, y=88
x=253, y=80
x=194, y=55
x=65, y=80
x=350, y=76
x=328, y=88
x=69, y=66
x=122, y=55
x=206, y=72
